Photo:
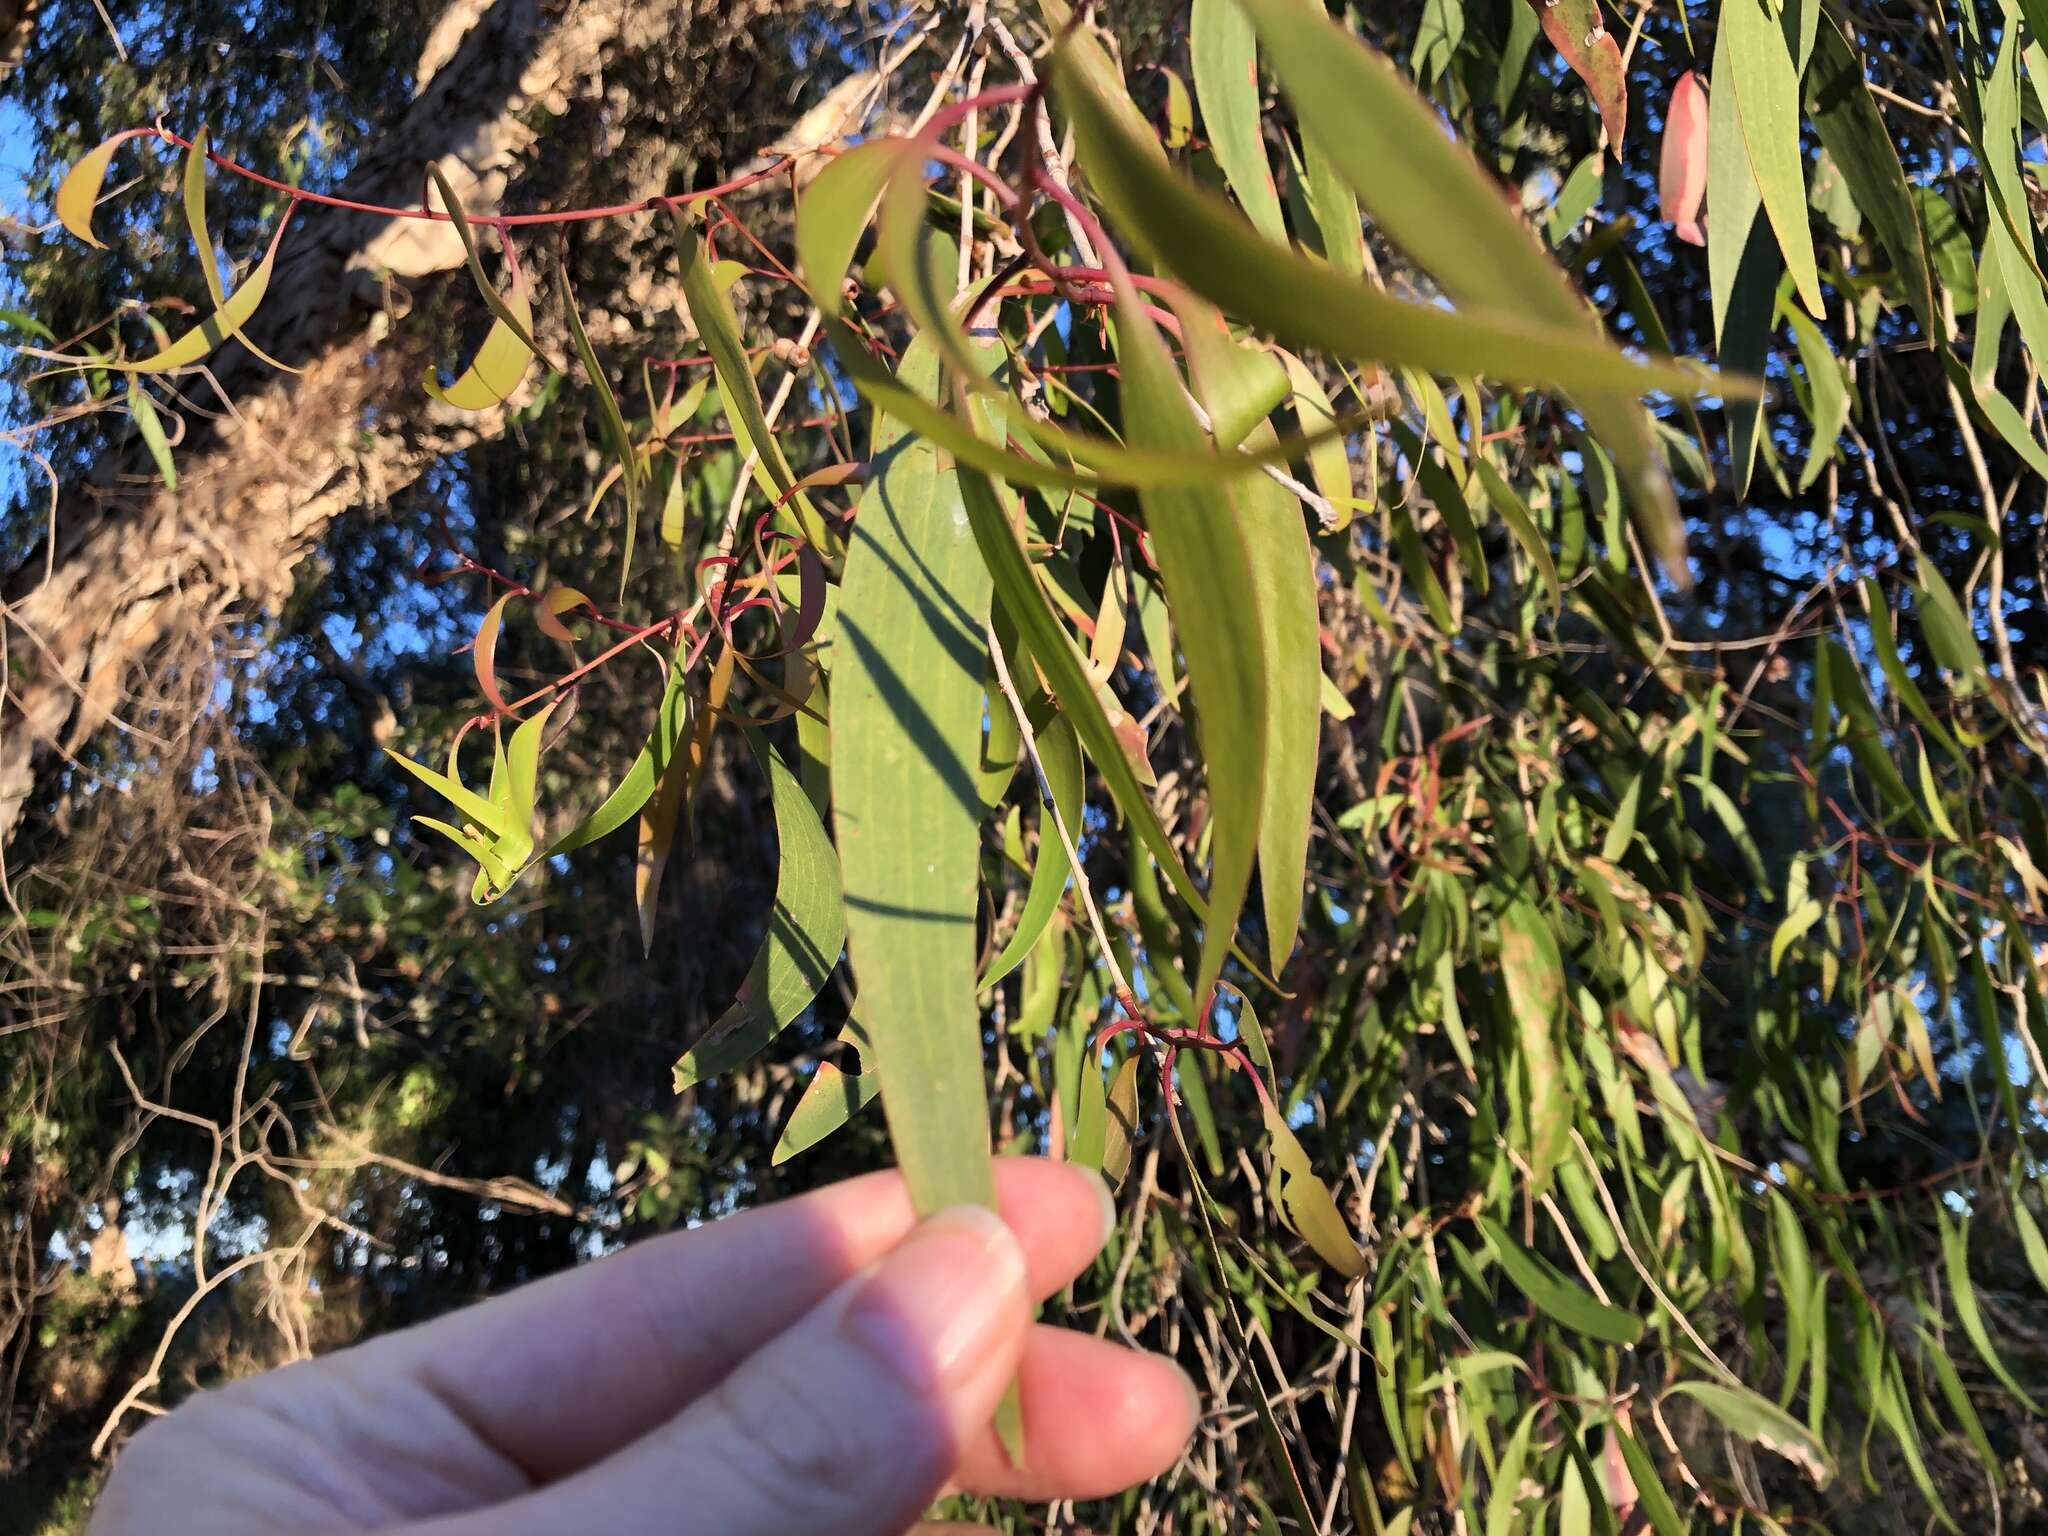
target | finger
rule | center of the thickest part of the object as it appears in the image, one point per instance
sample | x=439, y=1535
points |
x=565, y=1371
x=849, y=1422
x=1098, y=1418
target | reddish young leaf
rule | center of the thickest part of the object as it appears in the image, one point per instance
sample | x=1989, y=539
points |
x=1682, y=164
x=1583, y=41
x=552, y=604
x=484, y=653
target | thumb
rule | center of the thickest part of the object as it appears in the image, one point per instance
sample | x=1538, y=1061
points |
x=849, y=1423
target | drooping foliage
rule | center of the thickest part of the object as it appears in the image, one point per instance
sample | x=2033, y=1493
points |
x=1414, y=636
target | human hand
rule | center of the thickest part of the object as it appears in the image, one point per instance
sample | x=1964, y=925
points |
x=824, y=1365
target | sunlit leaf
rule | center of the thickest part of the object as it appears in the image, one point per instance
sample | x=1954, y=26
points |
x=1059, y=751
x=1854, y=132
x=151, y=428
x=1226, y=59
x=906, y=733
x=1202, y=542
x=79, y=192
x=1434, y=199
x=1767, y=104
x=831, y=1098
x=1554, y=1295
x=1582, y=40
x=1305, y=1201
x=1763, y=1423
x=711, y=313
x=1535, y=985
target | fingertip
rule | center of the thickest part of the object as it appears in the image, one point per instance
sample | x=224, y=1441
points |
x=1062, y=1213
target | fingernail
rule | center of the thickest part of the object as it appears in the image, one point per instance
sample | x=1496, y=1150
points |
x=935, y=1310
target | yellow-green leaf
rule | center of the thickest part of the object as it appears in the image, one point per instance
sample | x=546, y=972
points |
x=1226, y=58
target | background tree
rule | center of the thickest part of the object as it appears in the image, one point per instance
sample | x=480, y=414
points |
x=1664, y=1010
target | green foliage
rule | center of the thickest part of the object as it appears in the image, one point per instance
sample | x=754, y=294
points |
x=1649, y=940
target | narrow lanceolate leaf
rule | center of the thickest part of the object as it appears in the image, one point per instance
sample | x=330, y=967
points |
x=79, y=191
x=612, y=423
x=217, y=327
x=202, y=238
x=1955, y=1254
x=1552, y=1294
x=1948, y=630
x=1515, y=513
x=1059, y=751
x=1284, y=578
x=633, y=791
x=663, y=813
x=1732, y=190
x=1307, y=303
x=1535, y=982
x=1828, y=393
x=1440, y=205
x=1226, y=57
x=1582, y=40
x=1283, y=584
x=1854, y=133
x=1767, y=103
x=498, y=366
x=1306, y=1203
x=1763, y=1423
x=906, y=734
x=151, y=427
x=1335, y=206
x=1682, y=160
x=711, y=313
x=1053, y=653
x=1203, y=547
x=805, y=932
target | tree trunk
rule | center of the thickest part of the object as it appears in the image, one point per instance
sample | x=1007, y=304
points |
x=128, y=565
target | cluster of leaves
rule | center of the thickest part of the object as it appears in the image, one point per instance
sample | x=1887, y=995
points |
x=1277, y=618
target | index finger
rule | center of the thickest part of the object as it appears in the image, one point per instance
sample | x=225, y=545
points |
x=562, y=1372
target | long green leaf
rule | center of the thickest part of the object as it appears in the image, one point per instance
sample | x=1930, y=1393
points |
x=805, y=932
x=1535, y=986
x=1555, y=1296
x=611, y=422
x=1202, y=543
x=1226, y=58
x=1854, y=133
x=1955, y=1255
x=1763, y=1423
x=906, y=735
x=1433, y=198
x=1306, y=303
x=1767, y=102
x=711, y=313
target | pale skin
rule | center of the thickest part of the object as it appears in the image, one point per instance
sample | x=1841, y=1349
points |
x=827, y=1365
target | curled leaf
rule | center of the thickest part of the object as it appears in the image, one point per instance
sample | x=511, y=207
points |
x=1306, y=1203
x=79, y=191
x=499, y=364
